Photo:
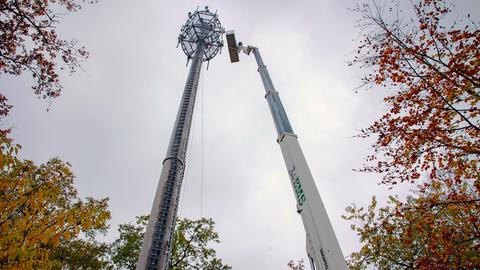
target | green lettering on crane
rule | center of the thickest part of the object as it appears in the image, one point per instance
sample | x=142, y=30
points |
x=297, y=186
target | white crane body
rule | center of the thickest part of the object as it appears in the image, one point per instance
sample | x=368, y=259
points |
x=322, y=246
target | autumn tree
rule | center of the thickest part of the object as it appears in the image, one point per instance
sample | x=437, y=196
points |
x=429, y=136
x=430, y=67
x=82, y=253
x=44, y=224
x=30, y=43
x=434, y=229
x=40, y=211
x=190, y=245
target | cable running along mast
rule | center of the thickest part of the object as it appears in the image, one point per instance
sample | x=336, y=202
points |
x=201, y=40
x=322, y=245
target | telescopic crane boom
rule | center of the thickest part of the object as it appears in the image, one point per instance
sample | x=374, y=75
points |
x=322, y=245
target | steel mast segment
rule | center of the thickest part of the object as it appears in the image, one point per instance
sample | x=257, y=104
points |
x=322, y=246
x=201, y=40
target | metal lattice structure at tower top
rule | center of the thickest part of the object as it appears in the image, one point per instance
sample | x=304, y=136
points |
x=201, y=40
x=201, y=27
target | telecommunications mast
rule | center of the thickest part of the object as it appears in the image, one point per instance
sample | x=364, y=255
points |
x=201, y=40
x=322, y=245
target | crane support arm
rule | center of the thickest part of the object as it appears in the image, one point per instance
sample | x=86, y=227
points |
x=323, y=248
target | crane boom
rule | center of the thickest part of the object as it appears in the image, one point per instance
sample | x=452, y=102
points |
x=322, y=245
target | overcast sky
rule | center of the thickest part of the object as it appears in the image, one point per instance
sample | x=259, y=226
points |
x=114, y=119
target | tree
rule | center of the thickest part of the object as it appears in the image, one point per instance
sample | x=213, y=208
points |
x=296, y=266
x=82, y=254
x=126, y=249
x=435, y=229
x=429, y=136
x=43, y=223
x=30, y=43
x=190, y=245
x=40, y=211
x=432, y=72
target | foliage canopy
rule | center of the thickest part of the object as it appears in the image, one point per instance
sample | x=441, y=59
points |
x=429, y=66
x=40, y=210
x=191, y=245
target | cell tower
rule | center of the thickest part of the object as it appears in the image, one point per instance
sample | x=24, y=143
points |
x=201, y=40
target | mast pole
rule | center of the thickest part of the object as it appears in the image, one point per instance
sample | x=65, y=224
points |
x=201, y=40
x=157, y=242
